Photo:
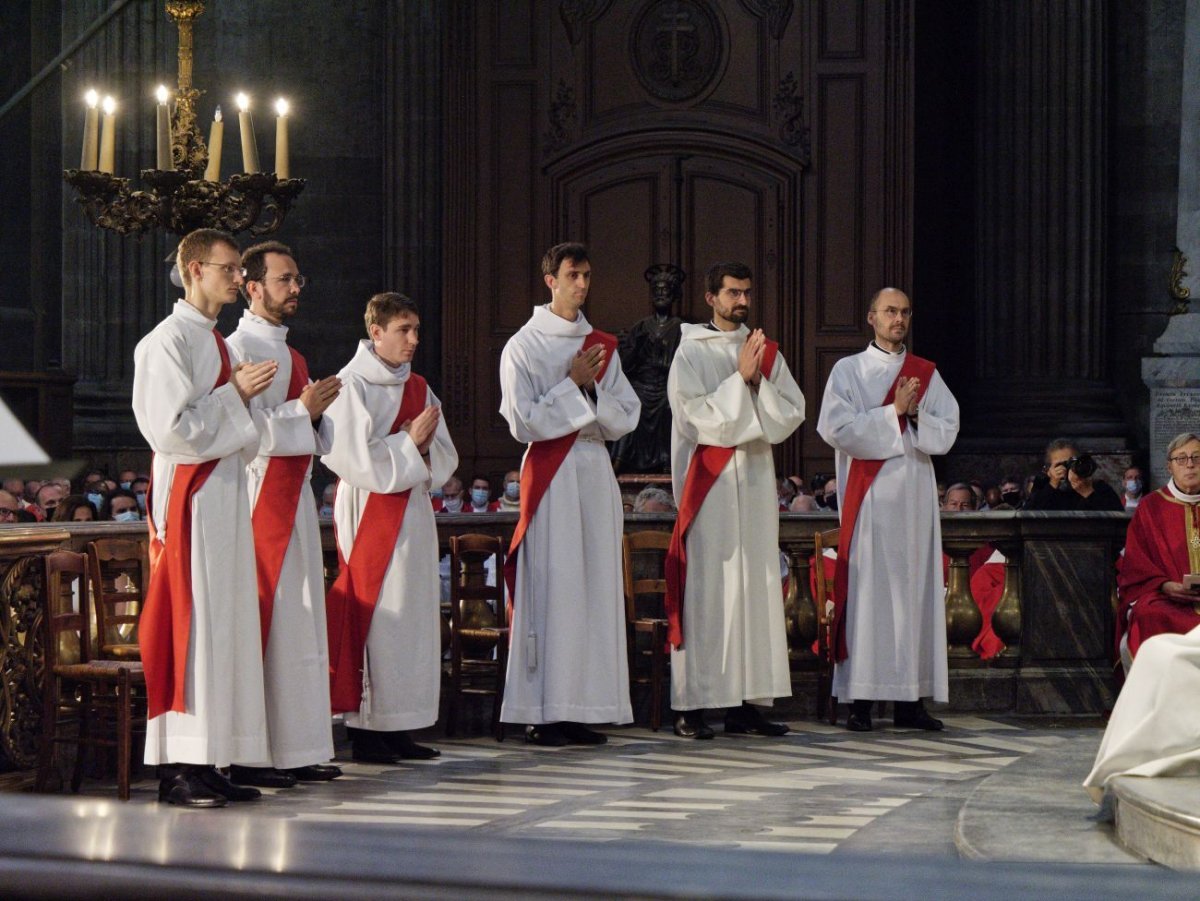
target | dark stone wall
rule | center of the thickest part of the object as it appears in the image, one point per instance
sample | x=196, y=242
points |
x=1145, y=93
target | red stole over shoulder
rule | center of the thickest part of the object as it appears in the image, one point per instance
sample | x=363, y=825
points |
x=275, y=510
x=165, y=625
x=706, y=466
x=542, y=462
x=858, y=482
x=350, y=603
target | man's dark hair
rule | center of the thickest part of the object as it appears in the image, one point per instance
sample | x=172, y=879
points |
x=106, y=507
x=481, y=478
x=384, y=307
x=254, y=259
x=1061, y=444
x=714, y=278
x=570, y=250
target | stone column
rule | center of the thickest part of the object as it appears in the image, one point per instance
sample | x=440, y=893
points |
x=1173, y=373
x=1040, y=363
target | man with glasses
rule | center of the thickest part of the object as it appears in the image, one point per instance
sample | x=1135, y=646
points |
x=9, y=505
x=1161, y=548
x=287, y=541
x=199, y=629
x=886, y=412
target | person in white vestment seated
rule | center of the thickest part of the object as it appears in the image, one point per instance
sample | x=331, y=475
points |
x=886, y=413
x=733, y=399
x=563, y=393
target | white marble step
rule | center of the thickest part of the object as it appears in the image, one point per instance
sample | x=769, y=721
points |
x=1159, y=818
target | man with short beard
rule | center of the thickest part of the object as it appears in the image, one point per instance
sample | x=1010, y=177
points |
x=287, y=542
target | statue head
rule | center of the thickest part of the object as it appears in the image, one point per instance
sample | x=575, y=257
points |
x=665, y=281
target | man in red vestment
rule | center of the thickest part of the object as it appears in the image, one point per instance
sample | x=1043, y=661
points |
x=1163, y=546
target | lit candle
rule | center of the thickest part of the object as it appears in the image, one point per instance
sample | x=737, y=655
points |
x=215, y=138
x=162, y=131
x=91, y=132
x=249, y=147
x=281, y=138
x=108, y=136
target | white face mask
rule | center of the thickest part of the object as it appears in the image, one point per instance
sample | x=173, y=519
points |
x=452, y=505
x=126, y=516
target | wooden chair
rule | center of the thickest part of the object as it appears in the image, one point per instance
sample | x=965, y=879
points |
x=120, y=570
x=478, y=626
x=824, y=601
x=97, y=691
x=654, y=625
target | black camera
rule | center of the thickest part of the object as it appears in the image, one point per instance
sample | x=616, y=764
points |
x=1083, y=466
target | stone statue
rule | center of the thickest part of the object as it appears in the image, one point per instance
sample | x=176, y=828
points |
x=646, y=353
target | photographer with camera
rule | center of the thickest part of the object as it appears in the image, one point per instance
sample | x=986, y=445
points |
x=1067, y=482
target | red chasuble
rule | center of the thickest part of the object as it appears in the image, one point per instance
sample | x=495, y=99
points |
x=541, y=463
x=350, y=603
x=275, y=510
x=858, y=482
x=1162, y=545
x=706, y=466
x=165, y=625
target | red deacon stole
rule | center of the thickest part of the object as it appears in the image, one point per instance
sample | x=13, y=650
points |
x=275, y=510
x=858, y=482
x=165, y=626
x=350, y=603
x=542, y=462
x=706, y=466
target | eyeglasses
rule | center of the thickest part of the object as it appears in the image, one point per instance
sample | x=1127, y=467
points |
x=228, y=268
x=1183, y=459
x=6, y=513
x=288, y=280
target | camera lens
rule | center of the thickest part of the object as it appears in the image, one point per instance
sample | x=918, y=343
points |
x=1083, y=466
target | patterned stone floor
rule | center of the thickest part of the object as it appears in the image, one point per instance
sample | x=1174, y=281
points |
x=818, y=790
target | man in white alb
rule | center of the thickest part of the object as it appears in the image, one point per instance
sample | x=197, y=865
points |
x=563, y=393
x=732, y=398
x=886, y=412
x=287, y=542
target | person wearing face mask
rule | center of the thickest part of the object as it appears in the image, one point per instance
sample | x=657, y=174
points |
x=120, y=506
x=830, y=495
x=450, y=498
x=1010, y=492
x=510, y=499
x=1135, y=485
x=292, y=426
x=141, y=488
x=325, y=508
x=887, y=413
x=390, y=444
x=125, y=479
x=481, y=497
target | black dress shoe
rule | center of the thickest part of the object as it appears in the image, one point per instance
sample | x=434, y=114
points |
x=314, y=772
x=215, y=781
x=262, y=776
x=859, y=722
x=368, y=746
x=579, y=734
x=548, y=735
x=401, y=743
x=913, y=715
x=183, y=792
x=690, y=724
x=748, y=718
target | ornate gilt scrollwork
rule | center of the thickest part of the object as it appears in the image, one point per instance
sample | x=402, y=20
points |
x=1180, y=293
x=22, y=662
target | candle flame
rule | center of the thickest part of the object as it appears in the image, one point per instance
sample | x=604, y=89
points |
x=281, y=106
x=217, y=114
x=162, y=93
x=109, y=105
x=243, y=102
x=91, y=98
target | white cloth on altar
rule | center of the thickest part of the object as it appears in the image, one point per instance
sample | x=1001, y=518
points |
x=1154, y=729
x=567, y=654
x=185, y=421
x=896, y=613
x=734, y=631
x=403, y=661
x=296, y=664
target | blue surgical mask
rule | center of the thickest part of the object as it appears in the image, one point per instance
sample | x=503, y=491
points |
x=326, y=512
x=479, y=497
x=96, y=499
x=435, y=492
x=512, y=491
x=125, y=485
x=126, y=516
x=141, y=499
x=1133, y=486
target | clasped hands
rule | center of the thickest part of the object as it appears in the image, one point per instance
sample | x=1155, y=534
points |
x=421, y=428
x=907, y=392
x=750, y=358
x=586, y=366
